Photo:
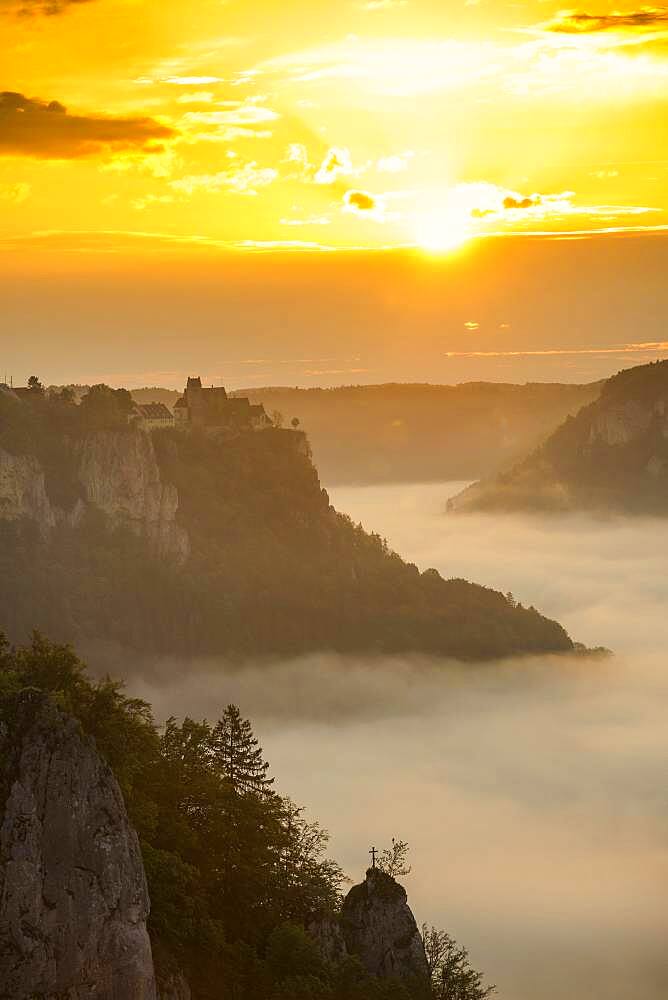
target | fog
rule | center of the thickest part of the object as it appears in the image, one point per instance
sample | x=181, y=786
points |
x=533, y=792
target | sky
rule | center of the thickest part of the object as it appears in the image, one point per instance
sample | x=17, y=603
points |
x=154, y=143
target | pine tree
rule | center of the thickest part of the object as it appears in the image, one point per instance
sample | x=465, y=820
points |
x=239, y=755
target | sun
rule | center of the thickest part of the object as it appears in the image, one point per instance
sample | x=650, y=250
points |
x=442, y=230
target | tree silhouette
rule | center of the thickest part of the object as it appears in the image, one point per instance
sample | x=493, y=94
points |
x=239, y=754
x=393, y=860
x=295, y=422
x=452, y=977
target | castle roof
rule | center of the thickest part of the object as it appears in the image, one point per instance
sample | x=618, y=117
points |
x=154, y=411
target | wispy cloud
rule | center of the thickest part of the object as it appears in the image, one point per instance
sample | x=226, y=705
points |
x=244, y=180
x=47, y=8
x=337, y=163
x=577, y=23
x=652, y=347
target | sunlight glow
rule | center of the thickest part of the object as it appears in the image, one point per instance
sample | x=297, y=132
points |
x=443, y=228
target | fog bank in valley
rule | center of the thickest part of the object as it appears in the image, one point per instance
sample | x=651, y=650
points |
x=532, y=792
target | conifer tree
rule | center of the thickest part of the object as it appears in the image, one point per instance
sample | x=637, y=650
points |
x=239, y=755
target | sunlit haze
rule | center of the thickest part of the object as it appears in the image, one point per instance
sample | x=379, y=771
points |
x=145, y=146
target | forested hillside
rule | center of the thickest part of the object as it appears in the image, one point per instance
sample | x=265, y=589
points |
x=611, y=457
x=423, y=433
x=191, y=543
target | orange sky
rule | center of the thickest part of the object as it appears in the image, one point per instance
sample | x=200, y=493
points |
x=151, y=129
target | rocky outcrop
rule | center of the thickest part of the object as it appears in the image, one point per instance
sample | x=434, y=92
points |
x=23, y=491
x=379, y=927
x=119, y=473
x=73, y=895
x=328, y=935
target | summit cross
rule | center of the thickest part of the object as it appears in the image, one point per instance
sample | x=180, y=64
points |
x=373, y=853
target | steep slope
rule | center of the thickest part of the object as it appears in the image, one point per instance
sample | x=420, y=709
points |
x=73, y=896
x=612, y=456
x=379, y=926
x=202, y=544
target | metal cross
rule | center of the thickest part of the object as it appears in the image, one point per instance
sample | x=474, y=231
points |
x=373, y=853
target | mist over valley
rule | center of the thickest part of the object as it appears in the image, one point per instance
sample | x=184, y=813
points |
x=531, y=791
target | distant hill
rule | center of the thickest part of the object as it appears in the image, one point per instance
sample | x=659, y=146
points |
x=423, y=433
x=154, y=394
x=612, y=456
x=188, y=542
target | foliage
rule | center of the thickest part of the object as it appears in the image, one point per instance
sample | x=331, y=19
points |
x=234, y=870
x=393, y=860
x=452, y=977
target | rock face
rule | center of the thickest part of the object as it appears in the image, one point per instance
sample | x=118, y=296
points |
x=73, y=895
x=611, y=457
x=379, y=927
x=23, y=491
x=117, y=473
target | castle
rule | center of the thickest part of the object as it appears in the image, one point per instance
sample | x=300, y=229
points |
x=212, y=407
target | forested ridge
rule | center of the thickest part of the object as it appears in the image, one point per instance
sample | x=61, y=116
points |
x=273, y=569
x=236, y=872
x=612, y=456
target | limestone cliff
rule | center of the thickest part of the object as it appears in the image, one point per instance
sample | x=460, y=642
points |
x=116, y=472
x=73, y=895
x=233, y=549
x=23, y=491
x=612, y=456
x=379, y=927
x=119, y=474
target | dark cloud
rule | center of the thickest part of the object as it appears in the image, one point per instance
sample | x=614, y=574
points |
x=39, y=7
x=48, y=131
x=511, y=202
x=360, y=201
x=574, y=22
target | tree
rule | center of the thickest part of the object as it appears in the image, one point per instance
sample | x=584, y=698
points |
x=295, y=423
x=35, y=385
x=452, y=977
x=103, y=407
x=393, y=860
x=239, y=755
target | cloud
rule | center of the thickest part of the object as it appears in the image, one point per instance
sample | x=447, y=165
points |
x=576, y=22
x=337, y=163
x=360, y=201
x=511, y=202
x=641, y=349
x=49, y=8
x=394, y=164
x=191, y=81
x=198, y=97
x=243, y=180
x=243, y=114
x=46, y=130
x=311, y=220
